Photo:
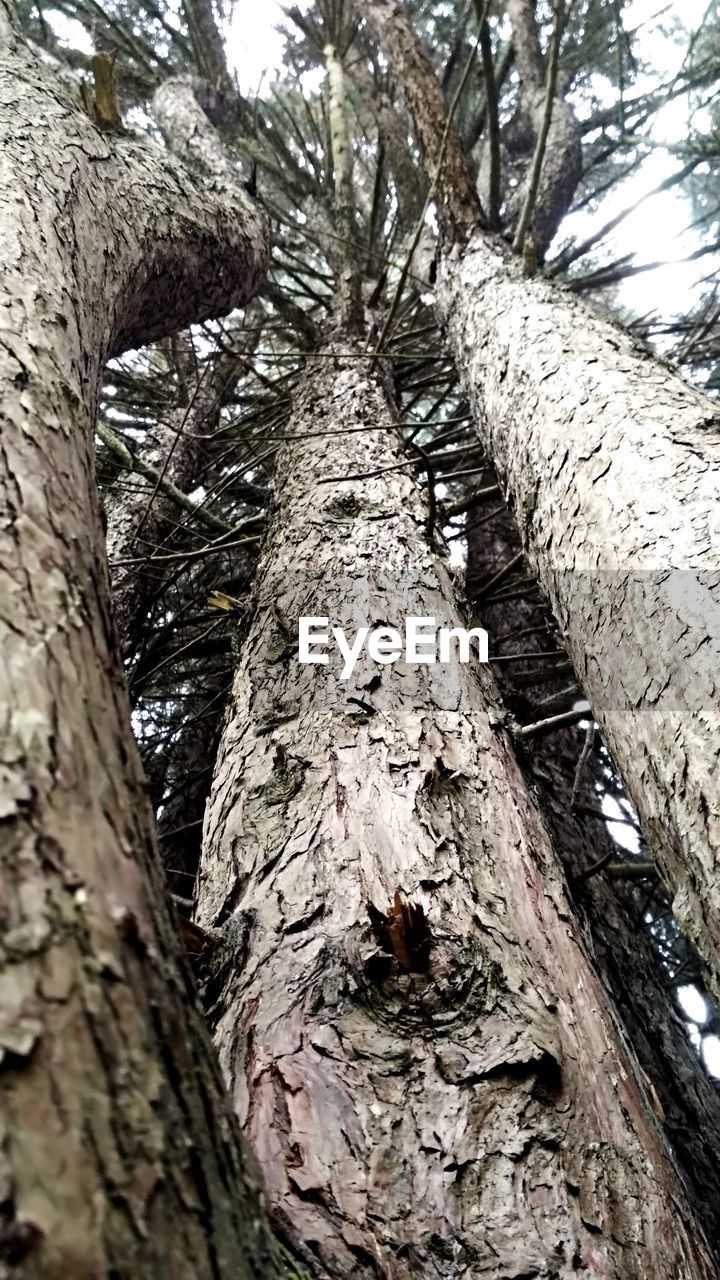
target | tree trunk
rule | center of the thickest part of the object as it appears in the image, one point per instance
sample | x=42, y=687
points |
x=144, y=516
x=624, y=949
x=118, y=1155
x=612, y=464
x=561, y=167
x=462, y=1105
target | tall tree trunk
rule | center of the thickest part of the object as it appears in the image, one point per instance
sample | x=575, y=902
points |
x=463, y=1109
x=612, y=464
x=625, y=953
x=142, y=517
x=560, y=159
x=118, y=1154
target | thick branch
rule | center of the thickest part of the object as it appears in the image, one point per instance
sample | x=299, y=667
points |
x=440, y=144
x=187, y=129
x=208, y=43
x=526, y=42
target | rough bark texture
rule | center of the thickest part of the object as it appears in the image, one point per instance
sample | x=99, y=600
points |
x=188, y=131
x=687, y=1100
x=612, y=463
x=444, y=160
x=118, y=1155
x=474, y=1114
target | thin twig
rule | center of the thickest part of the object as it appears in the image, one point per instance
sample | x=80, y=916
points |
x=131, y=462
x=551, y=724
x=500, y=576
x=584, y=757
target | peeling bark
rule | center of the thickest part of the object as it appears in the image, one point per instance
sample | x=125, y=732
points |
x=471, y=1114
x=612, y=463
x=118, y=1154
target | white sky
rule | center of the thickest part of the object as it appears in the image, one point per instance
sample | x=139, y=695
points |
x=657, y=231
x=254, y=45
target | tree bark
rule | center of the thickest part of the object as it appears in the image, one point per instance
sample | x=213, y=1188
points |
x=562, y=157
x=625, y=952
x=467, y=1111
x=611, y=462
x=118, y=1155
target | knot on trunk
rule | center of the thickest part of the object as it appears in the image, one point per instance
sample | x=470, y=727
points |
x=411, y=979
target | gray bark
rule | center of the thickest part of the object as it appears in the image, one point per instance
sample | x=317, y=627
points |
x=471, y=1114
x=189, y=133
x=410, y=184
x=612, y=464
x=118, y=1154
x=687, y=1100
